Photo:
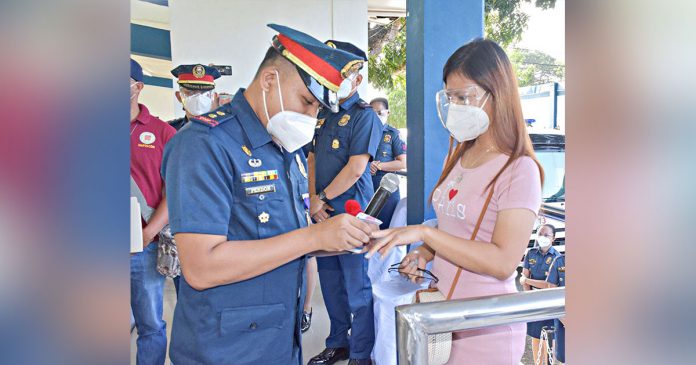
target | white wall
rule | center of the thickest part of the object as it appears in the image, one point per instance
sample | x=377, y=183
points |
x=158, y=101
x=235, y=33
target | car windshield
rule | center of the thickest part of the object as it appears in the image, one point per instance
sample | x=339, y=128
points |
x=553, y=163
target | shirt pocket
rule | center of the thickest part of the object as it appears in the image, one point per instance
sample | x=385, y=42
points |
x=338, y=141
x=255, y=331
x=274, y=216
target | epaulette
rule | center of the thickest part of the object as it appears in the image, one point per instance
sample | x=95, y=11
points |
x=215, y=117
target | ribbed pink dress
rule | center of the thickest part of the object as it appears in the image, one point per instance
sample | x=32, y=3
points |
x=458, y=203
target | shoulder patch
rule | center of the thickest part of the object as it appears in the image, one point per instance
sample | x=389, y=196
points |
x=215, y=117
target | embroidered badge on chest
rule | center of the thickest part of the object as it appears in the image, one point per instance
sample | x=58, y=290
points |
x=335, y=144
x=264, y=217
x=387, y=138
x=344, y=120
x=548, y=260
x=255, y=162
x=147, y=138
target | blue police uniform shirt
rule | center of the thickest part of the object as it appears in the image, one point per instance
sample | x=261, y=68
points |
x=539, y=263
x=354, y=130
x=390, y=147
x=557, y=271
x=557, y=277
x=225, y=176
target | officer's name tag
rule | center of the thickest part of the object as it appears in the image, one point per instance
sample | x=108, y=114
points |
x=261, y=189
x=259, y=176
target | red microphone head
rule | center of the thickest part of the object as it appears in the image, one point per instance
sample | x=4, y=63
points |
x=352, y=207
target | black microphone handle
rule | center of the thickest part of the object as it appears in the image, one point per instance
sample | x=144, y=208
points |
x=377, y=202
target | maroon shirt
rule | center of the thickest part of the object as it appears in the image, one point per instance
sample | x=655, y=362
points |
x=149, y=135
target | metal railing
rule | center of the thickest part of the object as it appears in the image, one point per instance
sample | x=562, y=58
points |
x=415, y=322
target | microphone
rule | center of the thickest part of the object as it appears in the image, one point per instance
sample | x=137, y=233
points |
x=387, y=186
x=352, y=207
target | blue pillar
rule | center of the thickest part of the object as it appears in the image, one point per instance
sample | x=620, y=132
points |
x=434, y=30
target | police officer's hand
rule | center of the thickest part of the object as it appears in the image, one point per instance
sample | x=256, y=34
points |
x=410, y=265
x=340, y=233
x=148, y=236
x=374, y=167
x=318, y=210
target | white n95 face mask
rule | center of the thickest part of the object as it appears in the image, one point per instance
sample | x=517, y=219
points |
x=198, y=104
x=291, y=129
x=543, y=242
x=464, y=122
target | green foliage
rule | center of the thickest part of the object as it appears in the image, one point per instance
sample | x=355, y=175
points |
x=504, y=22
x=535, y=67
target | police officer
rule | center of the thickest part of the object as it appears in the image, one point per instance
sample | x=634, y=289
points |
x=196, y=91
x=391, y=156
x=534, y=274
x=557, y=278
x=344, y=144
x=236, y=184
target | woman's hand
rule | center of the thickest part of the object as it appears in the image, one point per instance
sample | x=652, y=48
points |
x=384, y=241
x=413, y=261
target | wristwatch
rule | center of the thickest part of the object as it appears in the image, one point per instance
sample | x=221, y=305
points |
x=322, y=196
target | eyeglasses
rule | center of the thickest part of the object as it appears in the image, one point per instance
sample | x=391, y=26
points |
x=470, y=95
x=395, y=268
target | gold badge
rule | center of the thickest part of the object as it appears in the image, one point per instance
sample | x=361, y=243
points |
x=387, y=138
x=198, y=71
x=548, y=260
x=344, y=120
x=300, y=166
x=320, y=123
x=220, y=113
x=264, y=217
x=561, y=269
x=212, y=115
x=532, y=261
x=335, y=144
x=246, y=150
x=331, y=44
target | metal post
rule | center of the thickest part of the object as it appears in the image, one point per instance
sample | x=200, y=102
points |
x=415, y=322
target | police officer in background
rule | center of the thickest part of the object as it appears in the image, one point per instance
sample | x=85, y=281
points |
x=534, y=273
x=196, y=91
x=236, y=183
x=556, y=279
x=344, y=144
x=391, y=156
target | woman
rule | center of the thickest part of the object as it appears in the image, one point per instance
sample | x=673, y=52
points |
x=534, y=273
x=480, y=107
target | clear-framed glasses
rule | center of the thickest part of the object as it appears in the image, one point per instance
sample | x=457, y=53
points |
x=472, y=95
x=395, y=269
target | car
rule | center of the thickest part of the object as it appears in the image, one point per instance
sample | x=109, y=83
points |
x=549, y=147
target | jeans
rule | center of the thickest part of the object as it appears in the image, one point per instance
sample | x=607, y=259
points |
x=146, y=302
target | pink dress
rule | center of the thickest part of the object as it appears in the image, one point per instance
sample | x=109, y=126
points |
x=458, y=203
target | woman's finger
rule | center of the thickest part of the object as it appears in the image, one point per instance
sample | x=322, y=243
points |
x=382, y=233
x=376, y=245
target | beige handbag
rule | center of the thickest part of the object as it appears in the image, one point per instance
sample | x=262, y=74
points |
x=440, y=345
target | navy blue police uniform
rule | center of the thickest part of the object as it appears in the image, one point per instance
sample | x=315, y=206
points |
x=390, y=147
x=538, y=264
x=193, y=77
x=557, y=277
x=354, y=130
x=226, y=176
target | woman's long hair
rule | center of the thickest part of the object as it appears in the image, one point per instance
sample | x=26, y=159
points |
x=484, y=62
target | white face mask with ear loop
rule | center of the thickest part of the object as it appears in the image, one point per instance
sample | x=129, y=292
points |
x=466, y=122
x=290, y=129
x=198, y=104
x=543, y=242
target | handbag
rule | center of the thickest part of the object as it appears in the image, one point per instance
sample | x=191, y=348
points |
x=440, y=345
x=167, y=255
